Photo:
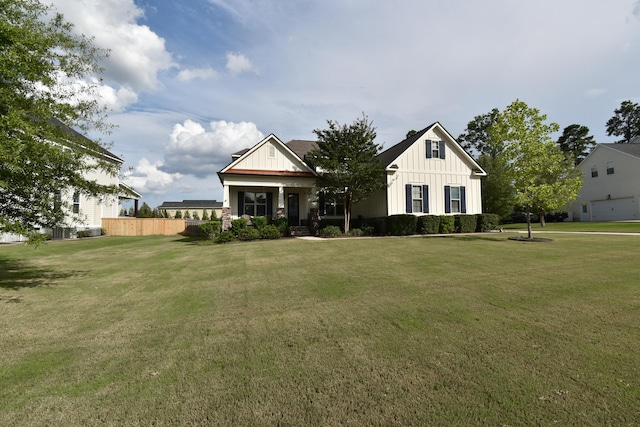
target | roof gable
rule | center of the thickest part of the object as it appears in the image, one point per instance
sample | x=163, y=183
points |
x=270, y=157
x=391, y=155
x=628, y=149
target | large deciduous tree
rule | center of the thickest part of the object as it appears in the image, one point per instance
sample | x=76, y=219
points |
x=625, y=122
x=576, y=142
x=498, y=195
x=544, y=179
x=346, y=160
x=44, y=70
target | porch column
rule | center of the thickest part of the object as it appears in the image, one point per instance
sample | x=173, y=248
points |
x=226, y=209
x=280, y=213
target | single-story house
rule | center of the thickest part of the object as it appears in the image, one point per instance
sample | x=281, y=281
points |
x=611, y=190
x=427, y=173
x=194, y=207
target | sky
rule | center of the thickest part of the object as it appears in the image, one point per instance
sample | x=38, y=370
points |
x=189, y=82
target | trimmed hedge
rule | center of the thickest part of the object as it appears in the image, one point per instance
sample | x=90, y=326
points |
x=402, y=225
x=465, y=223
x=429, y=224
x=211, y=229
x=447, y=224
x=259, y=222
x=331, y=231
x=487, y=222
x=270, y=232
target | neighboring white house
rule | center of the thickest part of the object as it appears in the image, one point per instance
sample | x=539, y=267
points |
x=427, y=173
x=611, y=190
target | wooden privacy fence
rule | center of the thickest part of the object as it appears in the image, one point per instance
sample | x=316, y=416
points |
x=143, y=226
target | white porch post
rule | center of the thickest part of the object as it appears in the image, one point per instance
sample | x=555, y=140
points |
x=226, y=208
x=280, y=212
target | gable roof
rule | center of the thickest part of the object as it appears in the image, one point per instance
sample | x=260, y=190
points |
x=301, y=147
x=90, y=145
x=242, y=154
x=389, y=156
x=632, y=148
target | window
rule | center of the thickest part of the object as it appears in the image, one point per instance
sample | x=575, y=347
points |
x=417, y=198
x=584, y=209
x=610, y=168
x=435, y=149
x=271, y=152
x=594, y=171
x=255, y=204
x=76, y=202
x=331, y=205
x=455, y=199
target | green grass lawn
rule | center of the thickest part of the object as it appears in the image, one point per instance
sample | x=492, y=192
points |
x=459, y=330
x=606, y=227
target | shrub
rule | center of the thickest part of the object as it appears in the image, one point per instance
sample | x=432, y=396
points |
x=225, y=237
x=282, y=224
x=248, y=233
x=259, y=222
x=270, y=232
x=83, y=233
x=238, y=224
x=355, y=232
x=429, y=224
x=487, y=222
x=331, y=231
x=211, y=229
x=402, y=225
x=447, y=224
x=368, y=230
x=178, y=214
x=205, y=215
x=465, y=223
x=103, y=231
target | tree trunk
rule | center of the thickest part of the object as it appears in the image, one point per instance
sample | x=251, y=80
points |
x=529, y=234
x=543, y=222
x=347, y=212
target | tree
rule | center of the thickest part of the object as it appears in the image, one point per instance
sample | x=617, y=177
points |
x=498, y=195
x=205, y=215
x=346, y=156
x=625, y=122
x=544, y=179
x=576, y=142
x=178, y=214
x=187, y=215
x=41, y=160
x=145, y=211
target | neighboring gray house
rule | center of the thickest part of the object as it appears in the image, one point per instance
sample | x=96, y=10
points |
x=611, y=190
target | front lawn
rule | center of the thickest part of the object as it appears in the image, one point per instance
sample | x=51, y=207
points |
x=455, y=330
x=605, y=227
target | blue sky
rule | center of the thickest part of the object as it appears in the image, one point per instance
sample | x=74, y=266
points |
x=190, y=82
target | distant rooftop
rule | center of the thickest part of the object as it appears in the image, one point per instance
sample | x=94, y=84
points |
x=191, y=204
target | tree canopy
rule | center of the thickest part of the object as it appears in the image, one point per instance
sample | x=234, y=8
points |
x=625, y=122
x=44, y=68
x=576, y=142
x=498, y=195
x=346, y=159
x=544, y=179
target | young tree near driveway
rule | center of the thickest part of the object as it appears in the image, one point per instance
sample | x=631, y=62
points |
x=42, y=64
x=625, y=122
x=498, y=195
x=576, y=142
x=346, y=160
x=544, y=179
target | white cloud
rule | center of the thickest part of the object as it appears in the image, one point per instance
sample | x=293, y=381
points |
x=238, y=63
x=187, y=75
x=147, y=178
x=199, y=152
x=137, y=54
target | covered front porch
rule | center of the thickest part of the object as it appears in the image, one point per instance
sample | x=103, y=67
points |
x=297, y=201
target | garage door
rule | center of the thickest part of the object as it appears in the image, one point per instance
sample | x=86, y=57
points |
x=614, y=210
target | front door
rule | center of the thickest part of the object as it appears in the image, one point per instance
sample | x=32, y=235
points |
x=293, y=208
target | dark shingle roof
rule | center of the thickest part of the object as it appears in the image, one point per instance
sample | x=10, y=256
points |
x=630, y=148
x=389, y=155
x=194, y=204
x=91, y=145
x=301, y=147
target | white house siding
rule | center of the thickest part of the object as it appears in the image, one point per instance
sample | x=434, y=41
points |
x=261, y=160
x=609, y=197
x=414, y=168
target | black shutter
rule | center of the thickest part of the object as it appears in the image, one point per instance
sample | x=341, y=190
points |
x=240, y=203
x=269, y=205
x=408, y=197
x=428, y=145
x=425, y=199
x=463, y=200
x=441, y=147
x=321, y=206
x=447, y=199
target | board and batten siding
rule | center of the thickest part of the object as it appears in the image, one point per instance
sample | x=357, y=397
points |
x=415, y=168
x=270, y=156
